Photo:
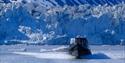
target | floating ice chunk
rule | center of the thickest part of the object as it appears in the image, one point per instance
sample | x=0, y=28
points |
x=43, y=50
x=122, y=41
x=59, y=48
x=18, y=50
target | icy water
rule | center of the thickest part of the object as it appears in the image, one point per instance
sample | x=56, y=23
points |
x=33, y=54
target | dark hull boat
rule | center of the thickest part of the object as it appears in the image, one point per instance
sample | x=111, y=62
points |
x=79, y=47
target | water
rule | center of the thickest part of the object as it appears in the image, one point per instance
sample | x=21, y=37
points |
x=10, y=57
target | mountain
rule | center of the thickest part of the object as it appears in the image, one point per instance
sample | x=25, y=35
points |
x=56, y=21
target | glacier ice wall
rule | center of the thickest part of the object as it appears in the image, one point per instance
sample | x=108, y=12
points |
x=101, y=24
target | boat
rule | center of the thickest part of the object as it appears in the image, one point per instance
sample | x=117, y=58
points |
x=79, y=47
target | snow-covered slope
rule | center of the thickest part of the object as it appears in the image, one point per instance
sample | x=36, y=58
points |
x=40, y=21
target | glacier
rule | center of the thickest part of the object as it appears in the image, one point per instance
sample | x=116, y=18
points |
x=56, y=21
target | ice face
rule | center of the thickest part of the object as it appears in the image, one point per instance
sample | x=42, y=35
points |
x=56, y=25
